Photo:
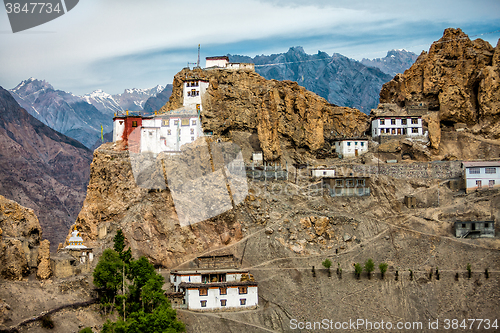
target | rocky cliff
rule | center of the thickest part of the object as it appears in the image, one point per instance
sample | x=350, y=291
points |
x=20, y=235
x=283, y=115
x=458, y=79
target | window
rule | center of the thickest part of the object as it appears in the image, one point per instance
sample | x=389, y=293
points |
x=223, y=302
x=474, y=171
x=192, y=138
x=175, y=278
x=203, y=304
x=463, y=225
x=478, y=183
x=403, y=121
x=414, y=121
x=193, y=92
x=414, y=130
x=348, y=143
x=490, y=170
x=339, y=183
x=361, y=182
x=491, y=183
x=185, y=122
x=166, y=122
x=176, y=122
x=242, y=290
x=382, y=121
x=393, y=121
x=203, y=291
x=223, y=290
x=362, y=144
x=134, y=123
x=349, y=183
x=193, y=122
x=189, y=93
x=243, y=301
x=192, y=130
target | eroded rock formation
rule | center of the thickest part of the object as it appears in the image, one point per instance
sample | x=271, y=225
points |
x=458, y=78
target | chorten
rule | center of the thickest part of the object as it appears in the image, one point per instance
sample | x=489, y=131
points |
x=75, y=241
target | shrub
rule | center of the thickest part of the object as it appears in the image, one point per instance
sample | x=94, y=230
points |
x=47, y=322
x=327, y=263
x=86, y=330
x=383, y=268
x=469, y=270
x=369, y=267
x=358, y=269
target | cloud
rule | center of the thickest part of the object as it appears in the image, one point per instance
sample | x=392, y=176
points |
x=114, y=44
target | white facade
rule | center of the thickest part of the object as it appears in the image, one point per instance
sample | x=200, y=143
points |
x=351, y=147
x=240, y=65
x=118, y=128
x=215, y=290
x=481, y=175
x=193, y=90
x=169, y=132
x=404, y=125
x=317, y=173
x=219, y=298
x=216, y=62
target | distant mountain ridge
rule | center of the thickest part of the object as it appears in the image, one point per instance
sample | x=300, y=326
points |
x=41, y=169
x=396, y=61
x=340, y=80
x=79, y=117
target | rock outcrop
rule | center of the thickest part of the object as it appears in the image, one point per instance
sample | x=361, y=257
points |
x=458, y=78
x=20, y=236
x=283, y=114
x=44, y=270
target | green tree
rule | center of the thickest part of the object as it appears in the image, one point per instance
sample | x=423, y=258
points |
x=369, y=267
x=383, y=268
x=119, y=241
x=108, y=276
x=357, y=270
x=86, y=330
x=469, y=270
x=327, y=263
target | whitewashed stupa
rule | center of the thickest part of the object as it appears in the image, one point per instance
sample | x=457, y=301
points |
x=75, y=241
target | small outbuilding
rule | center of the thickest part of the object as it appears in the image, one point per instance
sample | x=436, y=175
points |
x=474, y=229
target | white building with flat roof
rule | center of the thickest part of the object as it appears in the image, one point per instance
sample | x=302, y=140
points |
x=206, y=290
x=397, y=125
x=351, y=147
x=481, y=175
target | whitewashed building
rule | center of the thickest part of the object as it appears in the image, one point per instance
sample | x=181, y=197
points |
x=351, y=147
x=397, y=125
x=216, y=289
x=220, y=61
x=481, y=175
x=322, y=172
x=193, y=90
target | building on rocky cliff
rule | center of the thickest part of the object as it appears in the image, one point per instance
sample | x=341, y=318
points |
x=346, y=186
x=479, y=176
x=73, y=259
x=474, y=229
x=408, y=126
x=206, y=290
x=322, y=172
x=351, y=147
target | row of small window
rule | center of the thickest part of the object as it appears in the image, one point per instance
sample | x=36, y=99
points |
x=398, y=130
x=349, y=182
x=477, y=171
x=193, y=93
x=486, y=225
x=223, y=291
x=192, y=84
x=362, y=144
x=403, y=121
x=223, y=302
x=184, y=122
x=479, y=183
x=169, y=132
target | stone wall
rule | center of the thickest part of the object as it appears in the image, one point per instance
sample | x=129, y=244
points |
x=426, y=170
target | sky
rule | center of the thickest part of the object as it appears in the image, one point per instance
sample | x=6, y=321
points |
x=117, y=44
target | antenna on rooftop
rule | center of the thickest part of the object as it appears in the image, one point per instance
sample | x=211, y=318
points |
x=198, y=62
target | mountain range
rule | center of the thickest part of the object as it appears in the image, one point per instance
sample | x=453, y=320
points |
x=79, y=117
x=41, y=169
x=340, y=80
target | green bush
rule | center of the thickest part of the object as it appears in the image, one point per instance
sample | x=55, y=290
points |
x=369, y=267
x=383, y=268
x=358, y=269
x=47, y=322
x=86, y=330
